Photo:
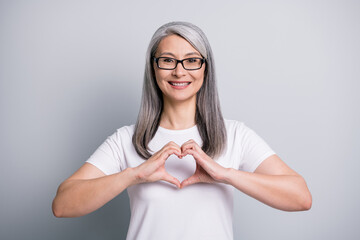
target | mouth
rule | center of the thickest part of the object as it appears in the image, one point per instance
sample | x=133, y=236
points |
x=179, y=84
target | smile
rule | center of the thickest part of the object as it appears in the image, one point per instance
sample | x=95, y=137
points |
x=180, y=84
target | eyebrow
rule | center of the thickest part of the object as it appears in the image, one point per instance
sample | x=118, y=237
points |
x=171, y=54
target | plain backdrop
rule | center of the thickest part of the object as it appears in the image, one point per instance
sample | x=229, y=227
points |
x=71, y=73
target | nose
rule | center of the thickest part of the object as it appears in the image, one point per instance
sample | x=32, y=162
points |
x=179, y=70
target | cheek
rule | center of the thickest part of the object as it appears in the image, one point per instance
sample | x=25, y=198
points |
x=199, y=76
x=156, y=73
x=159, y=80
x=159, y=75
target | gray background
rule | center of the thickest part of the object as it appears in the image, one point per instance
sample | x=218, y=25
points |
x=71, y=74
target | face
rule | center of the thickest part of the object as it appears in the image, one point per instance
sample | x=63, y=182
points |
x=178, y=85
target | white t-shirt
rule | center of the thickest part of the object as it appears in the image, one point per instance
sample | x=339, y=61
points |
x=159, y=210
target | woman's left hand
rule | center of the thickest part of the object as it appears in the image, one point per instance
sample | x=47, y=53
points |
x=207, y=170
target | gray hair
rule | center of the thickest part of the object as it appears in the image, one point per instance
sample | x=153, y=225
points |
x=209, y=120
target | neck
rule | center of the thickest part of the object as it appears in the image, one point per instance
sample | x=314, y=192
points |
x=177, y=116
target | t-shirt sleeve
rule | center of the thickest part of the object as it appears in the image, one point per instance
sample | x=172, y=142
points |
x=107, y=156
x=254, y=150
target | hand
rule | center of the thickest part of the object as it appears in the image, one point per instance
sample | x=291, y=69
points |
x=207, y=170
x=153, y=169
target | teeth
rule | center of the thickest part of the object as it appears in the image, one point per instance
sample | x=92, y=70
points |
x=179, y=84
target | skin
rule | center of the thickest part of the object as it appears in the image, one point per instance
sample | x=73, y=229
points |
x=179, y=105
x=272, y=183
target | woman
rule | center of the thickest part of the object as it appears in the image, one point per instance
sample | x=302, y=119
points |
x=181, y=161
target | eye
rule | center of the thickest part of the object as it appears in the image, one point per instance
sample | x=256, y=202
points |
x=193, y=60
x=167, y=60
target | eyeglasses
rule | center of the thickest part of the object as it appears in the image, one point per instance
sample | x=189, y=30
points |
x=168, y=63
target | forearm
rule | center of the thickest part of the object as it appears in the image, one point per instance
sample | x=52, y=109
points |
x=79, y=197
x=284, y=192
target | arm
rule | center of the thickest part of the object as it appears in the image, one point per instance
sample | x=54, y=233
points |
x=272, y=183
x=89, y=188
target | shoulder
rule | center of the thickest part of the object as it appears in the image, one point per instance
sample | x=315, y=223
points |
x=126, y=130
x=237, y=130
x=234, y=126
x=123, y=133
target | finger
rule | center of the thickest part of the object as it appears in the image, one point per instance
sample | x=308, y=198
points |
x=168, y=151
x=190, y=141
x=201, y=160
x=191, y=144
x=193, y=153
x=165, y=148
x=168, y=178
x=170, y=144
x=190, y=180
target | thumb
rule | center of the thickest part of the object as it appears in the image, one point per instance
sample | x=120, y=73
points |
x=190, y=180
x=168, y=178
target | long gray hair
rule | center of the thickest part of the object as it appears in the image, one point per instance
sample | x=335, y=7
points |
x=209, y=120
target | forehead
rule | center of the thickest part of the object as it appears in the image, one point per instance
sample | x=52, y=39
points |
x=176, y=45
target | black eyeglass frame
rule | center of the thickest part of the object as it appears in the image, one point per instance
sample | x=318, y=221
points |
x=203, y=60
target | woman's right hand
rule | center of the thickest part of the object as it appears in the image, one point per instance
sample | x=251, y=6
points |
x=153, y=169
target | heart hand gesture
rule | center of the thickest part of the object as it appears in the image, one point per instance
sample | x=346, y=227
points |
x=207, y=170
